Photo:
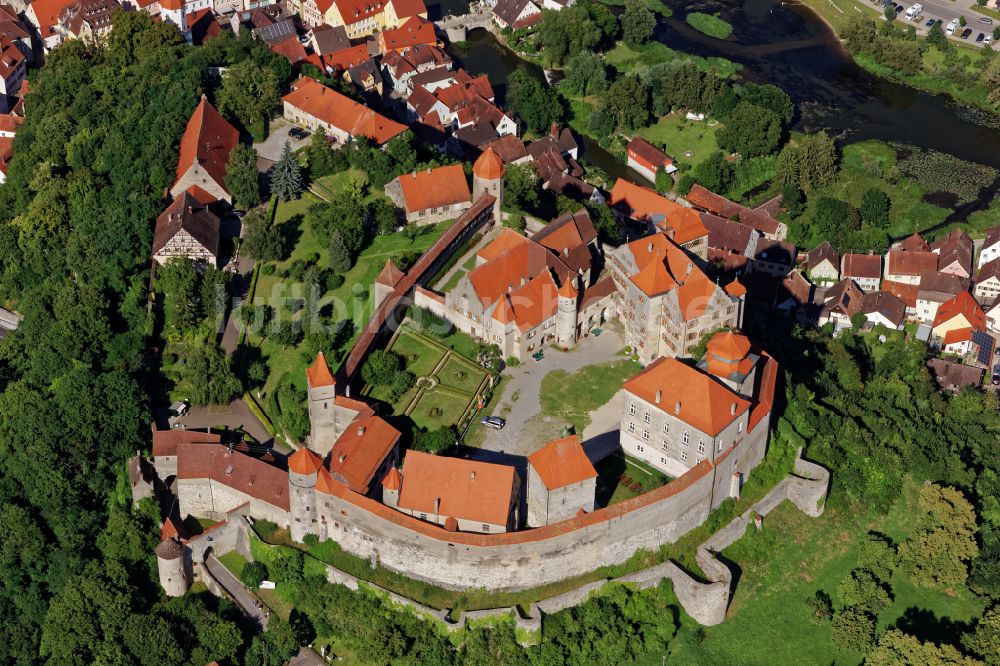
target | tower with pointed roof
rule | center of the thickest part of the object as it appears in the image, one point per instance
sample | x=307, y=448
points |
x=391, y=485
x=322, y=389
x=566, y=315
x=303, y=466
x=729, y=356
x=386, y=281
x=487, y=178
x=172, y=567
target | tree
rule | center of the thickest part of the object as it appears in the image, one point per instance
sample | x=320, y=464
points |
x=664, y=181
x=586, y=74
x=344, y=213
x=178, y=281
x=895, y=647
x=877, y=554
x=380, y=367
x=605, y=222
x=262, y=240
x=284, y=333
x=984, y=640
x=384, y=215
x=938, y=551
x=715, y=173
x=829, y=215
x=809, y=163
x=751, y=131
x=209, y=375
x=889, y=13
x=340, y=258
x=322, y=159
x=627, y=101
x=566, y=33
x=249, y=92
x=853, y=629
x=521, y=186
x=286, y=175
x=874, y=209
x=860, y=589
x=637, y=23
x=961, y=20
x=820, y=607
x=771, y=97
x=241, y=176
x=936, y=36
x=536, y=105
x=253, y=574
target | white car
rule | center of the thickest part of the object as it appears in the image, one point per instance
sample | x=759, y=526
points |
x=952, y=27
x=988, y=40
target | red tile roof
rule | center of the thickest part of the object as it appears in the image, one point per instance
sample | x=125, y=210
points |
x=165, y=441
x=511, y=268
x=531, y=304
x=647, y=154
x=664, y=266
x=904, y=292
x=736, y=289
x=347, y=58
x=416, y=30
x=47, y=13
x=957, y=335
x=235, y=470
x=434, y=188
x=291, y=48
x=389, y=276
x=318, y=374
x=208, y=139
x=962, y=305
x=341, y=112
x=899, y=262
x=457, y=488
x=914, y=243
x=723, y=207
x=304, y=462
x=729, y=345
x=562, y=462
x=352, y=11
x=360, y=451
x=689, y=394
x=861, y=266
x=488, y=165
x=188, y=213
x=404, y=8
x=392, y=480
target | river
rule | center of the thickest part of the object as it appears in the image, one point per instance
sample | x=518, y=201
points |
x=788, y=45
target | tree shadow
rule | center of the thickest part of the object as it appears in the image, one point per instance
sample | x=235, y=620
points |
x=927, y=626
x=291, y=232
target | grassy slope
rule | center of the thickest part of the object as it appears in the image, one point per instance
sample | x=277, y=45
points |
x=787, y=562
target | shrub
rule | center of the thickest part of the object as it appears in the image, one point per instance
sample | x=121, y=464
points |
x=820, y=607
x=854, y=629
x=254, y=573
x=265, y=529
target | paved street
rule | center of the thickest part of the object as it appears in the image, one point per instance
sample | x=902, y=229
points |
x=236, y=589
x=269, y=150
x=944, y=11
x=520, y=436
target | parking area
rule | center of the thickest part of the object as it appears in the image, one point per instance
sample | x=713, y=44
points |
x=269, y=150
x=978, y=28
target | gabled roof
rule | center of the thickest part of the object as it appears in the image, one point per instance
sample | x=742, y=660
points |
x=822, y=252
x=318, y=374
x=885, y=304
x=360, y=451
x=404, y=8
x=341, y=112
x=907, y=293
x=510, y=11
x=844, y=298
x=389, y=275
x=352, y=11
x=346, y=58
x=234, y=470
x=47, y=14
x=507, y=239
x=940, y=287
x=415, y=30
x=992, y=237
x=647, y=152
x=689, y=394
x=957, y=335
x=861, y=266
x=562, y=462
x=392, y=480
x=304, y=462
x=291, y=48
x=511, y=265
x=663, y=266
x=955, y=248
x=165, y=441
x=729, y=236
x=458, y=488
x=187, y=213
x=434, y=188
x=991, y=269
x=914, y=243
x=569, y=237
x=899, y=262
x=531, y=304
x=509, y=147
x=723, y=207
x=962, y=305
x=208, y=139
x=330, y=39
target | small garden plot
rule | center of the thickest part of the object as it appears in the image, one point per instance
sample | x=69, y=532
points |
x=620, y=478
x=438, y=407
x=458, y=373
x=420, y=355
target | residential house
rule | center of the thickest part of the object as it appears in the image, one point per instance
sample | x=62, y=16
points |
x=510, y=149
x=842, y=301
x=676, y=415
x=988, y=281
x=954, y=254
x=991, y=247
x=955, y=322
x=204, y=153
x=573, y=187
x=13, y=28
x=188, y=229
x=797, y=295
x=664, y=299
x=365, y=17
x=759, y=218
x=647, y=159
x=907, y=266
x=776, y=258
x=935, y=289
x=291, y=49
x=823, y=264
x=993, y=316
x=731, y=245
x=401, y=66
x=952, y=376
x=562, y=482
x=913, y=243
x=366, y=78
x=460, y=495
x=44, y=16
x=326, y=39
x=363, y=454
x=864, y=269
x=907, y=293
x=343, y=60
x=415, y=31
x=882, y=308
x=431, y=195
x=313, y=105
x=558, y=140
x=685, y=226
x=89, y=20
x=516, y=14
x=13, y=68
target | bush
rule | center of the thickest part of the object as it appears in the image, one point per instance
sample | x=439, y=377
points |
x=709, y=25
x=265, y=529
x=254, y=573
x=434, y=441
x=820, y=607
x=380, y=367
x=854, y=629
x=287, y=567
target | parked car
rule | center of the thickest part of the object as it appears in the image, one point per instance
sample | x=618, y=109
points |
x=298, y=133
x=952, y=27
x=966, y=33
x=980, y=38
x=988, y=41
x=930, y=22
x=914, y=11
x=996, y=380
x=494, y=422
x=986, y=21
x=899, y=8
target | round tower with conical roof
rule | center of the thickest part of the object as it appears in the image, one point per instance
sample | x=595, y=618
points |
x=303, y=466
x=566, y=315
x=172, y=565
x=487, y=178
x=173, y=11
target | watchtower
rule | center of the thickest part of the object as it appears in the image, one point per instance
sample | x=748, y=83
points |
x=322, y=406
x=303, y=466
x=172, y=565
x=487, y=178
x=566, y=315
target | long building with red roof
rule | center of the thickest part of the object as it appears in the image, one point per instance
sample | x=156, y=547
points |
x=314, y=106
x=204, y=152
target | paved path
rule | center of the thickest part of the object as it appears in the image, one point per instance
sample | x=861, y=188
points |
x=269, y=150
x=235, y=415
x=237, y=590
x=525, y=381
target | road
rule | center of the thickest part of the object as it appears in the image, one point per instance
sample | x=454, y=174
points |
x=269, y=150
x=945, y=12
x=237, y=590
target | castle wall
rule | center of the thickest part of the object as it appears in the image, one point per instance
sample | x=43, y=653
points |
x=204, y=498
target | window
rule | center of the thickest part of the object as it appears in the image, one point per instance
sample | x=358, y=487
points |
x=423, y=516
x=486, y=528
x=663, y=461
x=718, y=447
x=645, y=435
x=687, y=438
x=631, y=427
x=684, y=455
x=645, y=417
x=666, y=427
x=640, y=449
x=631, y=409
x=701, y=446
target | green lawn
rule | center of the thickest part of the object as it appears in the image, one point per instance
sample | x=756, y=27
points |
x=571, y=397
x=234, y=562
x=459, y=373
x=710, y=25
x=628, y=59
x=610, y=486
x=421, y=356
x=676, y=134
x=457, y=276
x=339, y=182
x=792, y=558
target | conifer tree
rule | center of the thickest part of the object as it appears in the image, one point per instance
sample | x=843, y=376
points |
x=340, y=258
x=286, y=176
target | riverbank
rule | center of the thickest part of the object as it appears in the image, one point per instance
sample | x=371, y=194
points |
x=933, y=76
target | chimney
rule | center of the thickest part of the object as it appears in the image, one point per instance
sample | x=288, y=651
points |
x=690, y=267
x=732, y=409
x=347, y=391
x=342, y=457
x=361, y=431
x=677, y=407
x=649, y=247
x=472, y=475
x=565, y=251
x=659, y=395
x=554, y=130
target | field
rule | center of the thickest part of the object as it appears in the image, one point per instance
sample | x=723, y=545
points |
x=572, y=397
x=677, y=135
x=447, y=381
x=787, y=562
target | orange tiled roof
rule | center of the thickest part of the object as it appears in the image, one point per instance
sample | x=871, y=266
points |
x=342, y=112
x=47, y=13
x=291, y=48
x=562, y=462
x=962, y=305
x=683, y=225
x=903, y=291
x=304, y=462
x=389, y=275
x=736, y=289
x=416, y=30
x=533, y=303
x=352, y=11
x=434, y=188
x=459, y=488
x=165, y=441
x=404, y=8
x=234, y=470
x=957, y=335
x=910, y=263
x=360, y=451
x=507, y=239
x=645, y=204
x=914, y=243
x=208, y=139
x=347, y=58
x=861, y=266
x=689, y=394
x=729, y=345
x=504, y=311
x=512, y=270
x=318, y=374
x=568, y=290
x=392, y=480
x=488, y=165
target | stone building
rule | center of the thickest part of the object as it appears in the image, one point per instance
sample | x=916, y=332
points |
x=432, y=195
x=165, y=449
x=665, y=301
x=204, y=153
x=315, y=106
x=561, y=482
x=487, y=178
x=174, y=567
x=187, y=229
x=677, y=416
x=329, y=413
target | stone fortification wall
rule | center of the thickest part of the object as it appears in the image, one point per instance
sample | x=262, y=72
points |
x=210, y=499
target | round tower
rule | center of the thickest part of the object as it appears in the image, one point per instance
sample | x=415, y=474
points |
x=487, y=178
x=171, y=563
x=303, y=466
x=172, y=11
x=391, y=485
x=566, y=315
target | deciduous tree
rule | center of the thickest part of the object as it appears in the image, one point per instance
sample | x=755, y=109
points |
x=249, y=92
x=637, y=22
x=242, y=178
